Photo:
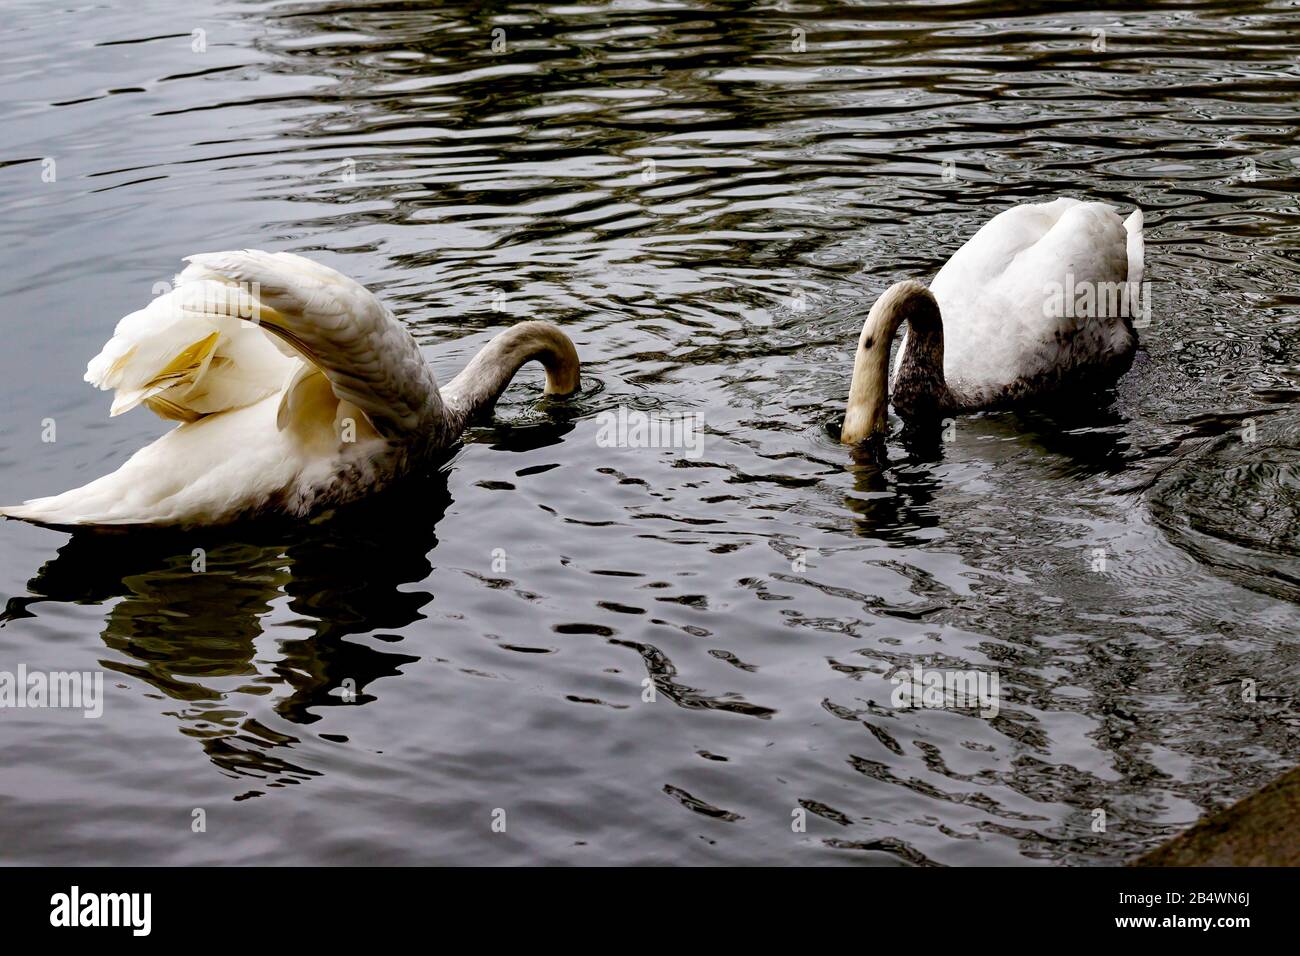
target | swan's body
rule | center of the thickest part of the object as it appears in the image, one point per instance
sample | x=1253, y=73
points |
x=296, y=390
x=1000, y=323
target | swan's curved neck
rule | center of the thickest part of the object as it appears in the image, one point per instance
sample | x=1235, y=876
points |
x=476, y=389
x=919, y=382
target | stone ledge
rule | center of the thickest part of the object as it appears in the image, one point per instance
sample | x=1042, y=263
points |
x=1260, y=830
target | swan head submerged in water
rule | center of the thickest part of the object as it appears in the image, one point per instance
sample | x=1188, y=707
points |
x=993, y=329
x=296, y=390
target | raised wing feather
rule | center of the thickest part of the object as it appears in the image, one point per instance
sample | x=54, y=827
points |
x=337, y=325
x=187, y=354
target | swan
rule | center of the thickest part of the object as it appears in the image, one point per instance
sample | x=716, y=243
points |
x=1000, y=322
x=295, y=388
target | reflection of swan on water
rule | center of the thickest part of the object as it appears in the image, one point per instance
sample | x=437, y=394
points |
x=196, y=638
x=296, y=389
x=999, y=323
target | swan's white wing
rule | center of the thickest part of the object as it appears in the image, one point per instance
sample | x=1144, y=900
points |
x=989, y=253
x=187, y=354
x=962, y=287
x=337, y=325
x=993, y=292
x=1086, y=255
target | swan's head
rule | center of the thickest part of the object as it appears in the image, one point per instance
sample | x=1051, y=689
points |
x=868, y=409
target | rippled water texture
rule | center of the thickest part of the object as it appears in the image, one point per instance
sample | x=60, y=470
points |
x=708, y=210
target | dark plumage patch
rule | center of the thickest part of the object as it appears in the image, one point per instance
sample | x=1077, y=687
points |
x=868, y=342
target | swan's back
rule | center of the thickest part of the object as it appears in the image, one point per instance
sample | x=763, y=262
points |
x=995, y=295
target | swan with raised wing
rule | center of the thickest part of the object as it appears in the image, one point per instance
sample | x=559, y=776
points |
x=1040, y=300
x=296, y=390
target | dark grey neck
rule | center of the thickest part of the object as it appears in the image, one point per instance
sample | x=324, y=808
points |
x=919, y=388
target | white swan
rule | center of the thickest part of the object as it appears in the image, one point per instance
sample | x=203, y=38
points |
x=296, y=390
x=1040, y=300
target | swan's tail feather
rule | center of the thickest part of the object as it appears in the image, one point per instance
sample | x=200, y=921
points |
x=34, y=512
x=56, y=512
x=89, y=505
x=337, y=325
x=1136, y=246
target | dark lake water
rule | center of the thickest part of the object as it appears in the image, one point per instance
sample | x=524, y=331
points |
x=502, y=621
